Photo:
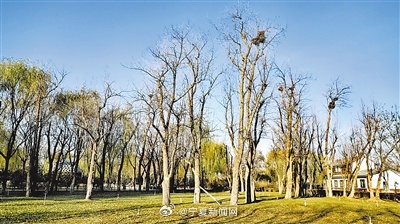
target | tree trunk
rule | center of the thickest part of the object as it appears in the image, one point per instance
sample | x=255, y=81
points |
x=121, y=166
x=378, y=186
x=34, y=151
x=328, y=158
x=247, y=177
x=353, y=182
x=5, y=176
x=253, y=190
x=297, y=179
x=148, y=176
x=172, y=180
x=140, y=177
x=28, y=179
x=242, y=180
x=250, y=185
x=329, y=183
x=54, y=178
x=58, y=174
x=89, y=184
x=196, y=173
x=155, y=173
x=280, y=184
x=75, y=170
x=102, y=169
x=304, y=179
x=289, y=178
x=369, y=177
x=166, y=177
x=235, y=181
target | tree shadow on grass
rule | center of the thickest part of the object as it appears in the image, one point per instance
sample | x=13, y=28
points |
x=394, y=214
x=316, y=217
x=269, y=198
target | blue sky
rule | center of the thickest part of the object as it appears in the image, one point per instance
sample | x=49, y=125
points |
x=355, y=40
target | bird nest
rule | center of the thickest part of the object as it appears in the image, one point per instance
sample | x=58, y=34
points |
x=260, y=38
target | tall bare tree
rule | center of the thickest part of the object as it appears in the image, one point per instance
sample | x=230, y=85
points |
x=169, y=92
x=202, y=80
x=247, y=43
x=336, y=96
x=291, y=88
x=257, y=133
x=303, y=142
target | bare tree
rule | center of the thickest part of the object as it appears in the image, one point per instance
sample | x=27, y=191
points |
x=111, y=134
x=362, y=141
x=247, y=44
x=387, y=142
x=257, y=133
x=317, y=160
x=286, y=133
x=129, y=128
x=202, y=80
x=90, y=116
x=66, y=106
x=170, y=90
x=303, y=142
x=336, y=96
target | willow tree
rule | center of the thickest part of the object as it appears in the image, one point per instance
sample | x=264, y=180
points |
x=247, y=43
x=16, y=98
x=24, y=88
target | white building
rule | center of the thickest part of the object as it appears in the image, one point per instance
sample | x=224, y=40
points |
x=390, y=180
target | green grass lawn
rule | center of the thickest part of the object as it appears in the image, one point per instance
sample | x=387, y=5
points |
x=144, y=208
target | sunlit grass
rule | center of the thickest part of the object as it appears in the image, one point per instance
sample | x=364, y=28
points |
x=144, y=208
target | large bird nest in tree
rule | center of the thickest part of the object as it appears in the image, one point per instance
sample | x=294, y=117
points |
x=260, y=38
x=332, y=104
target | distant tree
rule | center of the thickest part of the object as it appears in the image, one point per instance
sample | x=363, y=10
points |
x=90, y=115
x=66, y=106
x=129, y=127
x=143, y=137
x=111, y=133
x=277, y=167
x=214, y=163
x=23, y=89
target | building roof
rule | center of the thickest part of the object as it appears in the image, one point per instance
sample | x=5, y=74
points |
x=363, y=174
